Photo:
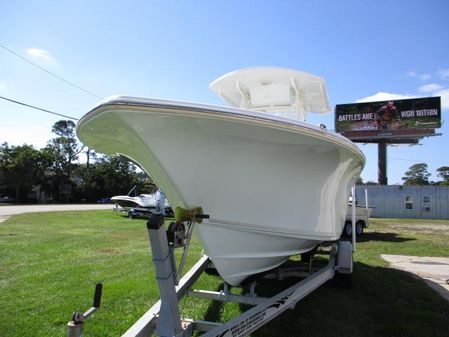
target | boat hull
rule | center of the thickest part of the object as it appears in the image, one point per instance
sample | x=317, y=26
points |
x=273, y=188
x=241, y=253
x=126, y=202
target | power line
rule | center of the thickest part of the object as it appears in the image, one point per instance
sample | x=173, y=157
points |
x=402, y=159
x=49, y=72
x=37, y=108
x=417, y=161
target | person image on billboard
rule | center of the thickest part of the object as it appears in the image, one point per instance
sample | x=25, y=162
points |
x=388, y=117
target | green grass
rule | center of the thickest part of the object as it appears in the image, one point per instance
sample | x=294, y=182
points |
x=50, y=262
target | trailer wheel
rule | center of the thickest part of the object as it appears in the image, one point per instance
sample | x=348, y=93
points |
x=130, y=215
x=359, y=227
x=169, y=212
x=347, y=229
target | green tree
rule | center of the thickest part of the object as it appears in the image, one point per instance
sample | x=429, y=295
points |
x=443, y=173
x=109, y=176
x=64, y=150
x=119, y=175
x=365, y=183
x=417, y=174
x=21, y=169
x=370, y=182
x=65, y=147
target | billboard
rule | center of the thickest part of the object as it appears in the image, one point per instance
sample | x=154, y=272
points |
x=402, y=118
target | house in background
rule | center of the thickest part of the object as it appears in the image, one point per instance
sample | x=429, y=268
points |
x=415, y=202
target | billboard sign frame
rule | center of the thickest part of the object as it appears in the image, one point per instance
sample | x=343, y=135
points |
x=399, y=119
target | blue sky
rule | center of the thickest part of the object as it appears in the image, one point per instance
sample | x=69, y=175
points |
x=174, y=49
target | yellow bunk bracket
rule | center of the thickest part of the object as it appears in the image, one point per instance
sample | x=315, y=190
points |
x=194, y=214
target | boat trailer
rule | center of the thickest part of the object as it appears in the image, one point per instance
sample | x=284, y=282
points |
x=164, y=317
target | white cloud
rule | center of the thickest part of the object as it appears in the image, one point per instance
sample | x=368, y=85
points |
x=42, y=56
x=14, y=135
x=430, y=88
x=444, y=94
x=422, y=77
x=3, y=87
x=383, y=96
x=444, y=73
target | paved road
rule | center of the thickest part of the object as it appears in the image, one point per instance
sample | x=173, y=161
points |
x=6, y=211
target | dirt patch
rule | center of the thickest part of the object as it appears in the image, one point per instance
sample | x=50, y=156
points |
x=108, y=251
x=9, y=234
x=421, y=228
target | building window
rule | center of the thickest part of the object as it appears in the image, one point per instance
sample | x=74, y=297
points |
x=426, y=203
x=408, y=202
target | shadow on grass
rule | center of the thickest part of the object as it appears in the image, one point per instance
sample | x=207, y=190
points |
x=379, y=236
x=214, y=310
x=379, y=302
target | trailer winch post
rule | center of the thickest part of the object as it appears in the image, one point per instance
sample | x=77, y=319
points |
x=353, y=217
x=169, y=321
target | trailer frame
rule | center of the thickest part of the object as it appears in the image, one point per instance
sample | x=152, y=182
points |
x=164, y=318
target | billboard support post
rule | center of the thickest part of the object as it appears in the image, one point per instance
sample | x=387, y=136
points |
x=382, y=163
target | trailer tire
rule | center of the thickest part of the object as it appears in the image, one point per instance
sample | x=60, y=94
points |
x=169, y=212
x=347, y=229
x=130, y=214
x=359, y=227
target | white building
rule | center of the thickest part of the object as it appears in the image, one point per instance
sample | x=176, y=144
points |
x=414, y=202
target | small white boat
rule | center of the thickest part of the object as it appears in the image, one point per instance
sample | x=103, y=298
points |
x=139, y=201
x=272, y=185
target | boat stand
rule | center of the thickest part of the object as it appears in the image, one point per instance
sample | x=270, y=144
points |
x=164, y=317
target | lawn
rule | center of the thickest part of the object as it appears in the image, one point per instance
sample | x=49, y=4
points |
x=50, y=263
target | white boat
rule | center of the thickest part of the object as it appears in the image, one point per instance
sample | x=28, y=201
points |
x=139, y=201
x=272, y=186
